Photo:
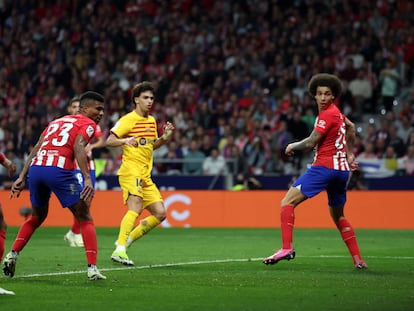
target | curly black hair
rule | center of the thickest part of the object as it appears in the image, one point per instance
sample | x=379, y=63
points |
x=325, y=79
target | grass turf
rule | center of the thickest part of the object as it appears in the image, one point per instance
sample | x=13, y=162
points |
x=215, y=269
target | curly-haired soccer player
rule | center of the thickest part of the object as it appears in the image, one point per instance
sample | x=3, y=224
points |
x=332, y=139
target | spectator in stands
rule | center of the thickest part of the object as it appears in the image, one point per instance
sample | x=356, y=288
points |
x=358, y=145
x=237, y=163
x=361, y=89
x=406, y=163
x=184, y=145
x=380, y=147
x=390, y=157
x=395, y=141
x=171, y=166
x=299, y=130
x=193, y=160
x=383, y=131
x=280, y=139
x=368, y=153
x=207, y=145
x=406, y=110
x=226, y=144
x=214, y=164
x=390, y=80
x=371, y=133
x=410, y=140
x=241, y=140
x=309, y=117
x=405, y=127
x=349, y=73
x=258, y=155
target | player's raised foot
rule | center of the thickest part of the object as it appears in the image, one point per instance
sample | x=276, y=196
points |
x=74, y=240
x=5, y=292
x=361, y=265
x=9, y=263
x=122, y=258
x=281, y=254
x=94, y=274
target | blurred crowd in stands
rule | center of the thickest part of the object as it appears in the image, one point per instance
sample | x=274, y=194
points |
x=231, y=75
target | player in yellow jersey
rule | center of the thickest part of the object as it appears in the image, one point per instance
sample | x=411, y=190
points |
x=137, y=133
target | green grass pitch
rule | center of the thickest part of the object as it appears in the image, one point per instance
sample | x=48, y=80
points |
x=215, y=269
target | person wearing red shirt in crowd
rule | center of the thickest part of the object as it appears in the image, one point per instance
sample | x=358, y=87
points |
x=332, y=139
x=51, y=165
x=3, y=226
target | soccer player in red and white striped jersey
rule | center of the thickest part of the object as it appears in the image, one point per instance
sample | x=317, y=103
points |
x=74, y=236
x=50, y=166
x=332, y=140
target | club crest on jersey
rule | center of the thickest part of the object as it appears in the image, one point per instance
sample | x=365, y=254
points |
x=90, y=131
x=142, y=141
x=321, y=123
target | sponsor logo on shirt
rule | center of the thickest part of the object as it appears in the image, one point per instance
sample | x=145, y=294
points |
x=321, y=123
x=142, y=141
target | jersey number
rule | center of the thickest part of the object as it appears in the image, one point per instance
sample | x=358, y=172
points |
x=62, y=136
x=340, y=141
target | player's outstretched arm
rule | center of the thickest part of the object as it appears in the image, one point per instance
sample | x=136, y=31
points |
x=114, y=141
x=305, y=144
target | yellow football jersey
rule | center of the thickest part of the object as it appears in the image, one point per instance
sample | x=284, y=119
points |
x=137, y=161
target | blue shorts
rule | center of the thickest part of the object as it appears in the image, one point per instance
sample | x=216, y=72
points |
x=79, y=176
x=319, y=178
x=43, y=180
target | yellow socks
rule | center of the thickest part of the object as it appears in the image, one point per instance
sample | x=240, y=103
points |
x=127, y=223
x=144, y=226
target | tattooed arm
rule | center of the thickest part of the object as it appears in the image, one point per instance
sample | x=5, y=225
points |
x=305, y=144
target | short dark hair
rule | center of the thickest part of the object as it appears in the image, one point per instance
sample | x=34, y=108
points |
x=89, y=96
x=325, y=79
x=141, y=88
x=73, y=99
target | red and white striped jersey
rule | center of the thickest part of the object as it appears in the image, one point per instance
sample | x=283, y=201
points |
x=331, y=150
x=89, y=155
x=59, y=139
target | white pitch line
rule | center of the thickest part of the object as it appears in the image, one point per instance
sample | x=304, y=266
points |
x=196, y=263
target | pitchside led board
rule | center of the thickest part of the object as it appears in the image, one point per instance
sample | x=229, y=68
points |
x=243, y=209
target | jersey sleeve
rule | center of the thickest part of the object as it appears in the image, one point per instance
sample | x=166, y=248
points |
x=98, y=132
x=156, y=127
x=322, y=123
x=87, y=129
x=121, y=128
